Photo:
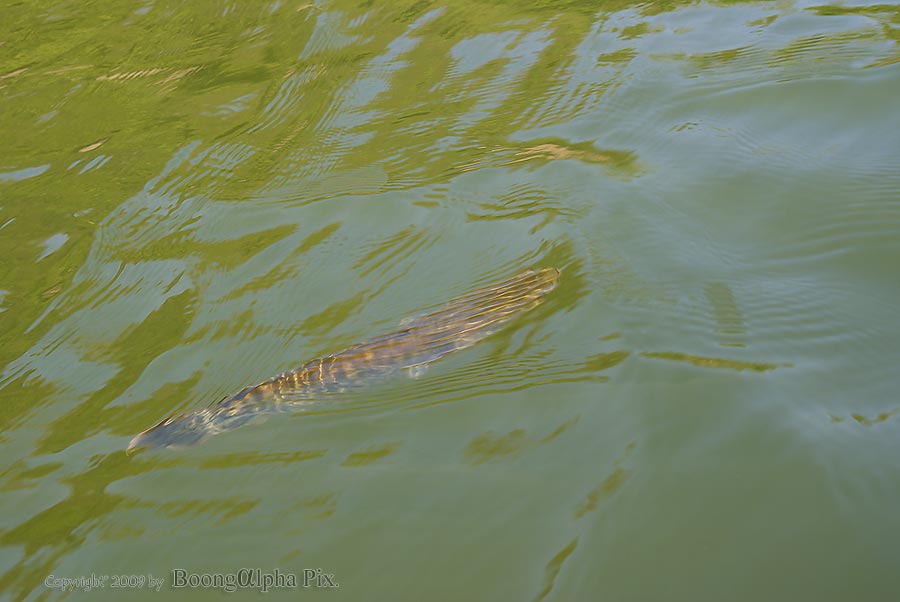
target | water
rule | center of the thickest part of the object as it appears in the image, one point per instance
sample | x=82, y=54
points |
x=195, y=197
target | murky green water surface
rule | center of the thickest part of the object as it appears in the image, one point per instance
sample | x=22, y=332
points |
x=196, y=196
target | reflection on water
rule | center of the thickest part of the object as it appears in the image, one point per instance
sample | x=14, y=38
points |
x=714, y=362
x=195, y=197
x=373, y=454
x=608, y=486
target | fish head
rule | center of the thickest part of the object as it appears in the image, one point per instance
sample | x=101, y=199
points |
x=193, y=428
x=176, y=432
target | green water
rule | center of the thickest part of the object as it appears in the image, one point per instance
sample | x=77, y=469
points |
x=196, y=196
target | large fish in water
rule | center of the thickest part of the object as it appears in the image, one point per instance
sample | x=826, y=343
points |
x=420, y=340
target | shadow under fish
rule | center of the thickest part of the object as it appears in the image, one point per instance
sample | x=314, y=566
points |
x=421, y=340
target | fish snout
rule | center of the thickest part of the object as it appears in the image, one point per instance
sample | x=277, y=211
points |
x=176, y=433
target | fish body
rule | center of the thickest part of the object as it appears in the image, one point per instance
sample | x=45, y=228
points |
x=420, y=340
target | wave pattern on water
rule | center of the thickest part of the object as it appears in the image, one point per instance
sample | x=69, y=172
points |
x=223, y=197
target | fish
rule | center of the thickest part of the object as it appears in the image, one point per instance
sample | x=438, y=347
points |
x=417, y=343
